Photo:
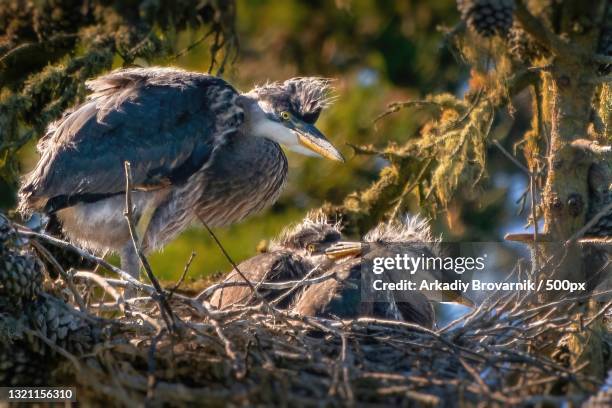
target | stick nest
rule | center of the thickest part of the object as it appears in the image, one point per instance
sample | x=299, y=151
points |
x=510, y=350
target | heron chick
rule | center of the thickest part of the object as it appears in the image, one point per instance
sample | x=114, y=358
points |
x=198, y=148
x=297, y=251
x=350, y=294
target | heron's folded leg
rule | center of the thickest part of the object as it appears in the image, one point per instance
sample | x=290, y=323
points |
x=144, y=221
x=131, y=264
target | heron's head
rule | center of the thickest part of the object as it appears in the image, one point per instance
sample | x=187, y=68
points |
x=408, y=229
x=290, y=110
x=311, y=237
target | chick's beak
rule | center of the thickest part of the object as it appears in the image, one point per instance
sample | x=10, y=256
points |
x=344, y=249
x=311, y=138
x=459, y=298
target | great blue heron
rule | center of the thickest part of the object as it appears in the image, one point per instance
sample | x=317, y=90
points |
x=197, y=148
x=350, y=294
x=296, y=252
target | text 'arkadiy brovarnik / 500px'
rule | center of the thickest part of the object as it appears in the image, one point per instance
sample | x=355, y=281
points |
x=456, y=270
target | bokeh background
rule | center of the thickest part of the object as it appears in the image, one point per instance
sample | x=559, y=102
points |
x=379, y=52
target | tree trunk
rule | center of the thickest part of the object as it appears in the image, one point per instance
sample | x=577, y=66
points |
x=569, y=91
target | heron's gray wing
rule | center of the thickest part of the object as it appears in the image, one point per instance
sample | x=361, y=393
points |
x=166, y=122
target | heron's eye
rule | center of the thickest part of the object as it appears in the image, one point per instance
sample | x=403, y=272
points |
x=311, y=247
x=285, y=115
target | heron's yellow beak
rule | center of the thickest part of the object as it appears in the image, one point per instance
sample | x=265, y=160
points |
x=311, y=138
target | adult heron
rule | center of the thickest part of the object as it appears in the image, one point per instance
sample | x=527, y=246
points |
x=198, y=148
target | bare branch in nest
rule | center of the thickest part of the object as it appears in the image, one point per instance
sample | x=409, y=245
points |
x=160, y=297
x=593, y=148
x=130, y=281
x=497, y=338
x=108, y=288
x=252, y=287
x=183, y=275
x=297, y=285
x=152, y=366
x=229, y=258
x=44, y=252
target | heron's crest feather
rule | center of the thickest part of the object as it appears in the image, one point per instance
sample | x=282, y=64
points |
x=305, y=96
x=315, y=226
x=408, y=228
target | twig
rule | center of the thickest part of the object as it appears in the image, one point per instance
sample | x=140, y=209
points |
x=602, y=59
x=396, y=106
x=297, y=285
x=455, y=124
x=51, y=259
x=151, y=367
x=539, y=31
x=238, y=367
x=103, y=283
x=511, y=157
x=532, y=188
x=601, y=312
x=183, y=275
x=227, y=256
x=409, y=187
x=253, y=289
x=127, y=279
x=206, y=293
x=476, y=376
x=60, y=350
x=191, y=46
x=350, y=396
x=193, y=303
x=607, y=209
x=164, y=307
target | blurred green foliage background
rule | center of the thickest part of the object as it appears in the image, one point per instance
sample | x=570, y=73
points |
x=379, y=52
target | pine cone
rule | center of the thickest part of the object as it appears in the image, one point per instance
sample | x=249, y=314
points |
x=21, y=275
x=7, y=233
x=59, y=324
x=487, y=17
x=19, y=366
